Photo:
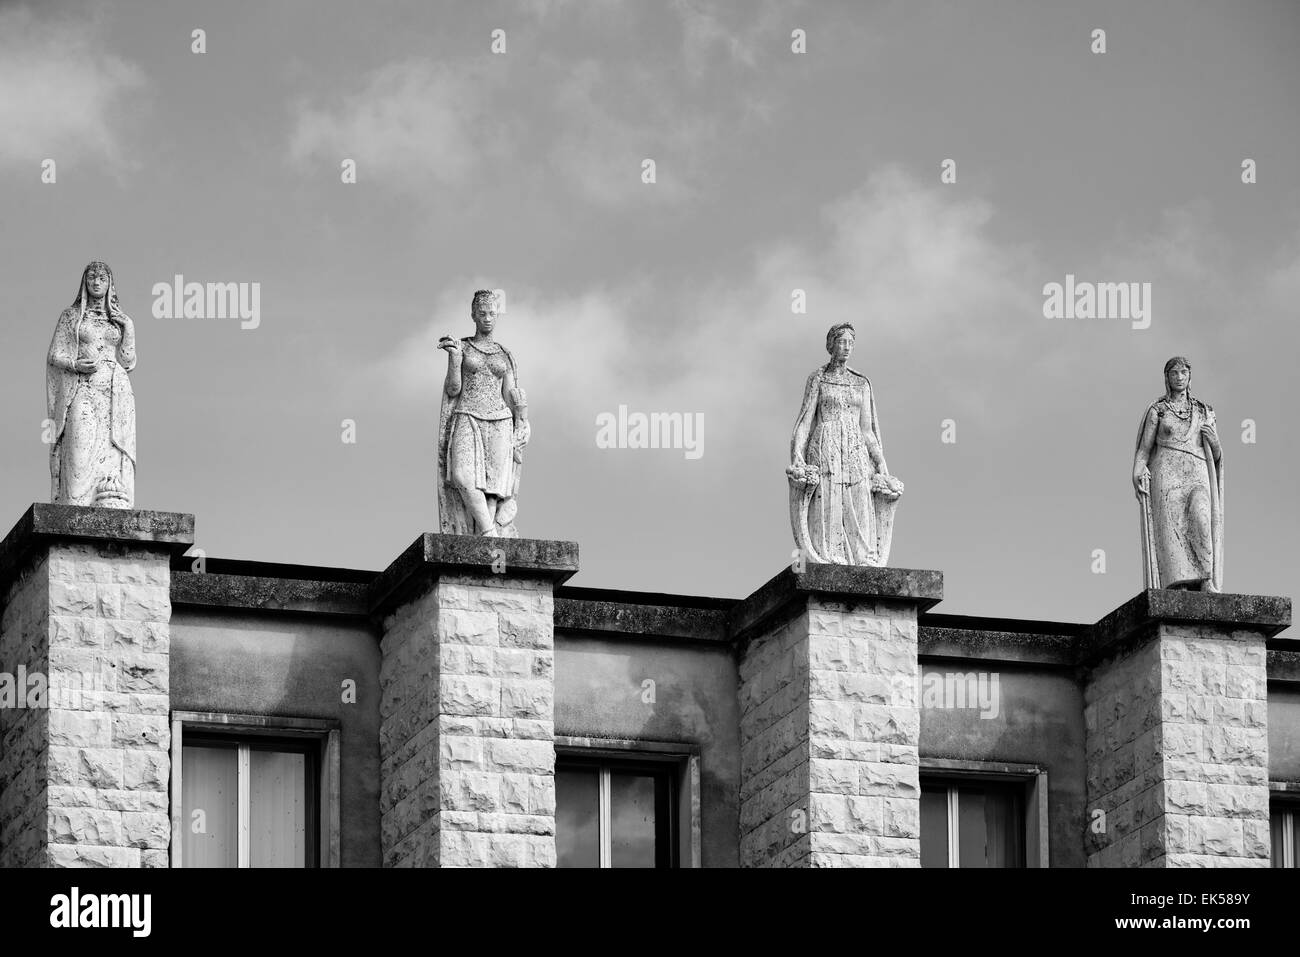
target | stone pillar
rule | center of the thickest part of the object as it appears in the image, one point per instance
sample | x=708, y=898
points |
x=84, y=747
x=467, y=734
x=1176, y=724
x=830, y=721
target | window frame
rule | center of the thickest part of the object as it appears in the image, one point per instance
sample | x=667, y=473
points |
x=318, y=738
x=619, y=753
x=1284, y=798
x=1031, y=778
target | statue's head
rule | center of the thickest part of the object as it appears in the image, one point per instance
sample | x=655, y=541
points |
x=483, y=307
x=96, y=281
x=839, y=341
x=1178, y=374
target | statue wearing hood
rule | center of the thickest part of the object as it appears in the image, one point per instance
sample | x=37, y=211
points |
x=89, y=398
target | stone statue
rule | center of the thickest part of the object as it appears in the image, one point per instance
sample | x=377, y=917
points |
x=89, y=399
x=842, y=497
x=1178, y=477
x=482, y=431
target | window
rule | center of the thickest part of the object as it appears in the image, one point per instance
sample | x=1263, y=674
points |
x=970, y=824
x=622, y=803
x=614, y=814
x=983, y=814
x=1284, y=823
x=252, y=791
x=249, y=803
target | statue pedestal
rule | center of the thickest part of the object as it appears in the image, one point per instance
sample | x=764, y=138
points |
x=467, y=735
x=84, y=769
x=830, y=721
x=1176, y=721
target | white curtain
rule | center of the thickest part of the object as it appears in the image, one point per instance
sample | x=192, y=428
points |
x=278, y=823
x=210, y=799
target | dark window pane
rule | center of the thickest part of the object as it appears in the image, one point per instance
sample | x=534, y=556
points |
x=972, y=832
x=990, y=827
x=632, y=818
x=577, y=818
x=210, y=803
x=1279, y=818
x=1004, y=819
x=934, y=827
x=277, y=796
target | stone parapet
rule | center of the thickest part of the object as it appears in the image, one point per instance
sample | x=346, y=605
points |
x=1176, y=720
x=467, y=736
x=84, y=770
x=830, y=723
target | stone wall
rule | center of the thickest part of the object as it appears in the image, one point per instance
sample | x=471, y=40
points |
x=1122, y=736
x=829, y=733
x=774, y=752
x=24, y=731
x=467, y=733
x=85, y=779
x=1216, y=747
x=1177, y=747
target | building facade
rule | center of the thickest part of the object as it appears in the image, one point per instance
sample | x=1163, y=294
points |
x=467, y=707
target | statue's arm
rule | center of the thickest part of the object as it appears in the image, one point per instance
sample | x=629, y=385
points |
x=1142, y=456
x=514, y=397
x=1211, y=434
x=59, y=362
x=62, y=356
x=126, y=348
x=803, y=424
x=451, y=386
x=865, y=426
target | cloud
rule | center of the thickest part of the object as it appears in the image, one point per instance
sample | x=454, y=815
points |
x=703, y=32
x=896, y=257
x=65, y=94
x=548, y=335
x=408, y=124
x=1282, y=279
x=751, y=27
x=608, y=125
x=419, y=122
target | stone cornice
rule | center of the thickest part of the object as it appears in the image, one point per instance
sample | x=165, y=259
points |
x=788, y=592
x=1139, y=618
x=42, y=524
x=432, y=555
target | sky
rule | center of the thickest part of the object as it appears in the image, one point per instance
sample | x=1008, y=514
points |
x=774, y=171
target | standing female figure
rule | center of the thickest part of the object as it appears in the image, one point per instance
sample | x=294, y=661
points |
x=1178, y=478
x=842, y=497
x=89, y=399
x=482, y=431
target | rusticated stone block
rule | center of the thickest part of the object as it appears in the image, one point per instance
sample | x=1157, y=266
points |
x=1176, y=735
x=93, y=615
x=829, y=733
x=467, y=752
x=83, y=781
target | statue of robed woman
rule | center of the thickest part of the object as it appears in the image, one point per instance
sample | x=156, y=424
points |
x=89, y=399
x=1178, y=478
x=842, y=497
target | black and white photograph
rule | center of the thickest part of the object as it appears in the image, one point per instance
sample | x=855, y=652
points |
x=630, y=434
